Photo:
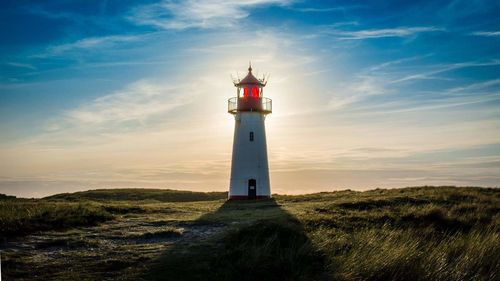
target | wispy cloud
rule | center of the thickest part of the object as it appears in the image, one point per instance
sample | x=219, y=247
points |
x=486, y=33
x=21, y=65
x=196, y=14
x=326, y=9
x=384, y=32
x=433, y=105
x=138, y=102
x=474, y=87
x=369, y=82
x=356, y=90
x=372, y=82
x=397, y=62
x=443, y=68
x=89, y=43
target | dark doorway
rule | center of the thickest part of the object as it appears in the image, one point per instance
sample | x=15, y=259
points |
x=252, y=189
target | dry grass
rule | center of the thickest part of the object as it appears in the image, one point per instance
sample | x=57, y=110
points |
x=422, y=233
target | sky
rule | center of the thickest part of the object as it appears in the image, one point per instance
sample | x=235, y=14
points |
x=366, y=94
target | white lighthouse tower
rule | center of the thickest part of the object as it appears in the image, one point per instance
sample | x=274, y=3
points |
x=249, y=166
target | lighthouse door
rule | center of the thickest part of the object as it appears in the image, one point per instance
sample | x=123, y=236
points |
x=252, y=189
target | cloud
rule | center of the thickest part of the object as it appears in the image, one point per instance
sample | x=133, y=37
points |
x=474, y=87
x=383, y=33
x=434, y=105
x=137, y=102
x=397, y=62
x=372, y=82
x=89, y=43
x=196, y=14
x=444, y=68
x=140, y=107
x=22, y=65
x=486, y=33
x=357, y=90
x=326, y=9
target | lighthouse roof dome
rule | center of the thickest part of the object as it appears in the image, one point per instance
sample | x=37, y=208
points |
x=250, y=79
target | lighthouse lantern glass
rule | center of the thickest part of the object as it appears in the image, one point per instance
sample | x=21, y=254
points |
x=255, y=92
x=245, y=92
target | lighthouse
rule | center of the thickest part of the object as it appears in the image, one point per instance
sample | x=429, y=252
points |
x=249, y=165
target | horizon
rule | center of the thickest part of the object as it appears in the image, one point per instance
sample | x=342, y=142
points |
x=273, y=194
x=134, y=94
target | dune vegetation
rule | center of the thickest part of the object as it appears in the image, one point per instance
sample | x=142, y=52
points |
x=420, y=233
x=139, y=194
x=21, y=217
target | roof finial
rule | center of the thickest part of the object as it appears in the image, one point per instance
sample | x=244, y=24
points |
x=249, y=66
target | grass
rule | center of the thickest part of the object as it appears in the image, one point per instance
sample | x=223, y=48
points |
x=430, y=233
x=23, y=217
x=138, y=194
x=418, y=233
x=163, y=232
x=395, y=254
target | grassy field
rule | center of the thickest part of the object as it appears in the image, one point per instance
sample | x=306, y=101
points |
x=136, y=194
x=422, y=233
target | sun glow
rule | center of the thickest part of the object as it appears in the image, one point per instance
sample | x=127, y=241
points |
x=353, y=103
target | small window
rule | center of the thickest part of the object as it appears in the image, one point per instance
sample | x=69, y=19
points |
x=245, y=92
x=251, y=136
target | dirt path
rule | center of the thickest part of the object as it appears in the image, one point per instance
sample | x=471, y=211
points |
x=115, y=250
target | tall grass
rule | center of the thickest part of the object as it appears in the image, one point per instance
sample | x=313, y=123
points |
x=20, y=217
x=395, y=254
x=426, y=233
x=407, y=234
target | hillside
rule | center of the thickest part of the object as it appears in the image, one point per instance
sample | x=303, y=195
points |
x=137, y=194
x=420, y=233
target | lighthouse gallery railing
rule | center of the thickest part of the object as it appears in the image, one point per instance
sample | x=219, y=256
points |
x=265, y=105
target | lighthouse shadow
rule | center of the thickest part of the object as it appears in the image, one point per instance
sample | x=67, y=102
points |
x=262, y=242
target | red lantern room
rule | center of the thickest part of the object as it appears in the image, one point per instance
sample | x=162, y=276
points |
x=249, y=95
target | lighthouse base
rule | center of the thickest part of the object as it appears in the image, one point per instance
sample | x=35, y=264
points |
x=245, y=197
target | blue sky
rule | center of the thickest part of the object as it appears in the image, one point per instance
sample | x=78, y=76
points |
x=134, y=93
